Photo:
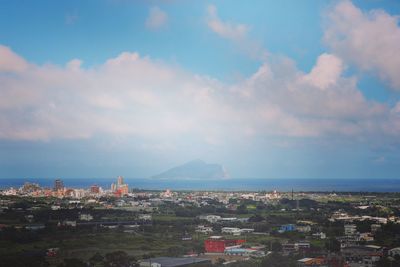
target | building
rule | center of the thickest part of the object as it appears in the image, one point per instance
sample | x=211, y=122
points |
x=173, y=262
x=350, y=229
x=145, y=217
x=287, y=228
x=231, y=230
x=394, y=252
x=204, y=229
x=85, y=217
x=288, y=248
x=303, y=228
x=210, y=218
x=120, y=188
x=369, y=255
x=246, y=252
x=375, y=228
x=320, y=235
x=58, y=185
x=94, y=189
x=120, y=180
x=312, y=262
x=35, y=227
x=302, y=245
x=217, y=244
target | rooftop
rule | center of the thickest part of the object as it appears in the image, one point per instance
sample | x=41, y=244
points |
x=172, y=262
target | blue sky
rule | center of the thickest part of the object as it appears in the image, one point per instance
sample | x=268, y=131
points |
x=271, y=89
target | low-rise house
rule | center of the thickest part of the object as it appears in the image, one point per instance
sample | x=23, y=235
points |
x=288, y=248
x=231, y=230
x=312, y=262
x=303, y=228
x=210, y=218
x=368, y=237
x=246, y=230
x=204, y=229
x=367, y=255
x=320, y=235
x=68, y=223
x=287, y=228
x=35, y=227
x=56, y=207
x=246, y=252
x=85, y=217
x=145, y=217
x=375, y=228
x=350, y=229
x=394, y=252
x=172, y=262
x=302, y=245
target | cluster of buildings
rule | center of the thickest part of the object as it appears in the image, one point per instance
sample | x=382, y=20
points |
x=120, y=188
x=218, y=245
x=60, y=190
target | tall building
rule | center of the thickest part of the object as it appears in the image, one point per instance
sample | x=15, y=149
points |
x=58, y=185
x=95, y=189
x=120, y=188
x=120, y=180
x=113, y=187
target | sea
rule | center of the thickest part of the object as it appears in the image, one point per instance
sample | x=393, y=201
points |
x=243, y=184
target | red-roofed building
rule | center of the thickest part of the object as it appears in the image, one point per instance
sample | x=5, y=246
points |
x=218, y=244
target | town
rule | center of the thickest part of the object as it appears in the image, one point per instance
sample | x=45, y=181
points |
x=119, y=226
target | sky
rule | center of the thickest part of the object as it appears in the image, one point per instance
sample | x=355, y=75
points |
x=268, y=89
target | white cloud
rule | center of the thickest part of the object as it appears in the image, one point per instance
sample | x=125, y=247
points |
x=157, y=18
x=235, y=32
x=326, y=72
x=134, y=96
x=369, y=40
x=11, y=62
x=225, y=29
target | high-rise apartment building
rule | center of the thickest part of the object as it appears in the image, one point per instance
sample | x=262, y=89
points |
x=58, y=185
x=120, y=188
x=120, y=180
x=95, y=189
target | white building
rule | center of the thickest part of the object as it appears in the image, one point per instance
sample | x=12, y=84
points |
x=210, y=218
x=204, y=229
x=231, y=230
x=394, y=251
x=303, y=228
x=350, y=229
x=85, y=217
x=145, y=217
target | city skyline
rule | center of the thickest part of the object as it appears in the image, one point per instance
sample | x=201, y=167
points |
x=267, y=90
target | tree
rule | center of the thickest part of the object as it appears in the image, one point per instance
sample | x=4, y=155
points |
x=276, y=246
x=277, y=260
x=256, y=218
x=242, y=209
x=17, y=260
x=117, y=259
x=332, y=245
x=72, y=263
x=96, y=258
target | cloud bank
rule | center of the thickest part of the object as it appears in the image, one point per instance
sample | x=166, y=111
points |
x=369, y=40
x=136, y=96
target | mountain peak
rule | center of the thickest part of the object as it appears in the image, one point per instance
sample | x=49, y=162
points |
x=194, y=169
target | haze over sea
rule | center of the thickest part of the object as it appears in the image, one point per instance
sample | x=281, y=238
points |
x=250, y=184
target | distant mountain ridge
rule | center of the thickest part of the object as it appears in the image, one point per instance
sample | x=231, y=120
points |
x=195, y=169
